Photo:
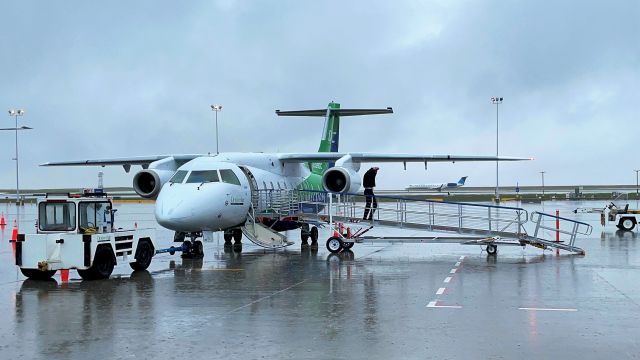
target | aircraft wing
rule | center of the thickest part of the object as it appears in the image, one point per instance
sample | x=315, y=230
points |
x=125, y=162
x=393, y=158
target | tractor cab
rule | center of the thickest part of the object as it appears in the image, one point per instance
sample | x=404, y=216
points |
x=90, y=212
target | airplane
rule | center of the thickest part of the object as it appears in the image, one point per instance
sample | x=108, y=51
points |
x=438, y=187
x=195, y=193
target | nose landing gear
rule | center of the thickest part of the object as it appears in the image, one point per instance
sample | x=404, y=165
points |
x=193, y=249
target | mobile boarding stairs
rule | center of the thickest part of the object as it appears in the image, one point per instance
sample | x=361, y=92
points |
x=469, y=224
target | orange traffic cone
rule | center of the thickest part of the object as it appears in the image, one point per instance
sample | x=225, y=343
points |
x=3, y=223
x=14, y=238
x=64, y=275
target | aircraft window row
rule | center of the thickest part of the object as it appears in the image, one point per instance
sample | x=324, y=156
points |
x=203, y=176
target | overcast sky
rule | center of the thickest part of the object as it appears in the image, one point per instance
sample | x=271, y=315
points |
x=122, y=78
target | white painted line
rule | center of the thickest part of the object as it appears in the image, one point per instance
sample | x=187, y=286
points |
x=447, y=279
x=462, y=257
x=546, y=309
x=434, y=304
x=440, y=291
x=458, y=264
x=453, y=271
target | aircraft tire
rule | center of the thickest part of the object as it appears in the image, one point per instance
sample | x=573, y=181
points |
x=313, y=234
x=237, y=235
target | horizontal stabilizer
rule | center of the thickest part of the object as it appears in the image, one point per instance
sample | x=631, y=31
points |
x=339, y=112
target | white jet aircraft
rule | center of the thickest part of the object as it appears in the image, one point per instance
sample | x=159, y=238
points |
x=438, y=187
x=201, y=192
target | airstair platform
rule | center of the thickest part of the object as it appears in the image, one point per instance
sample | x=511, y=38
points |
x=472, y=224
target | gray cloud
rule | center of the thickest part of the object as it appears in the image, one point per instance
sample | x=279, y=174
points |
x=124, y=79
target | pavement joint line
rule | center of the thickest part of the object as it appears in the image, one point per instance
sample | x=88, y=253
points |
x=548, y=309
x=447, y=279
x=267, y=296
x=440, y=291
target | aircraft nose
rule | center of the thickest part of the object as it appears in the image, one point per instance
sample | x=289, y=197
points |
x=185, y=209
x=172, y=212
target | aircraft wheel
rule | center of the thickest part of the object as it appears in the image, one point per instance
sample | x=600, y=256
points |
x=144, y=255
x=237, y=235
x=334, y=245
x=304, y=233
x=36, y=274
x=198, y=249
x=314, y=234
x=626, y=223
x=492, y=249
x=228, y=237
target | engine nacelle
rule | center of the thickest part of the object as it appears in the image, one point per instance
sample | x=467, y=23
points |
x=341, y=180
x=147, y=183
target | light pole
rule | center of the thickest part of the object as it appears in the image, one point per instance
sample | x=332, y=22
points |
x=636, y=183
x=15, y=114
x=542, y=173
x=216, y=108
x=497, y=101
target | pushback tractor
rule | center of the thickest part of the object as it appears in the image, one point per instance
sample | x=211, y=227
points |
x=78, y=232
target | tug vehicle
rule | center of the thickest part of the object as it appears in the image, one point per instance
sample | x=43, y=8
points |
x=77, y=231
x=623, y=217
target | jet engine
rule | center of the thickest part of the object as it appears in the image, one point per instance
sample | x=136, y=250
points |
x=147, y=183
x=341, y=180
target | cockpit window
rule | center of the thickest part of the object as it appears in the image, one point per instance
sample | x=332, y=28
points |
x=229, y=177
x=178, y=177
x=200, y=177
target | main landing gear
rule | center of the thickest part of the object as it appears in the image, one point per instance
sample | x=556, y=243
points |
x=306, y=234
x=236, y=236
x=193, y=248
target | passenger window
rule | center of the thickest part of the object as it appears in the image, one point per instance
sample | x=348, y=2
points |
x=178, y=177
x=59, y=216
x=205, y=176
x=229, y=177
x=93, y=215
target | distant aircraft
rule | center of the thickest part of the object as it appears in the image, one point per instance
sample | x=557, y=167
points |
x=438, y=187
x=202, y=192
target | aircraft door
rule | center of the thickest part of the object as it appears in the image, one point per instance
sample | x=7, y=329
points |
x=253, y=185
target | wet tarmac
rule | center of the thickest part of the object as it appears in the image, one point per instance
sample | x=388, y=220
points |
x=381, y=301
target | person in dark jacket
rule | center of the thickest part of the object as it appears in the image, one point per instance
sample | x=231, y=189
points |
x=369, y=182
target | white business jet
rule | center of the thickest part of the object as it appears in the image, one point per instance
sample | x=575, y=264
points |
x=444, y=187
x=197, y=193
